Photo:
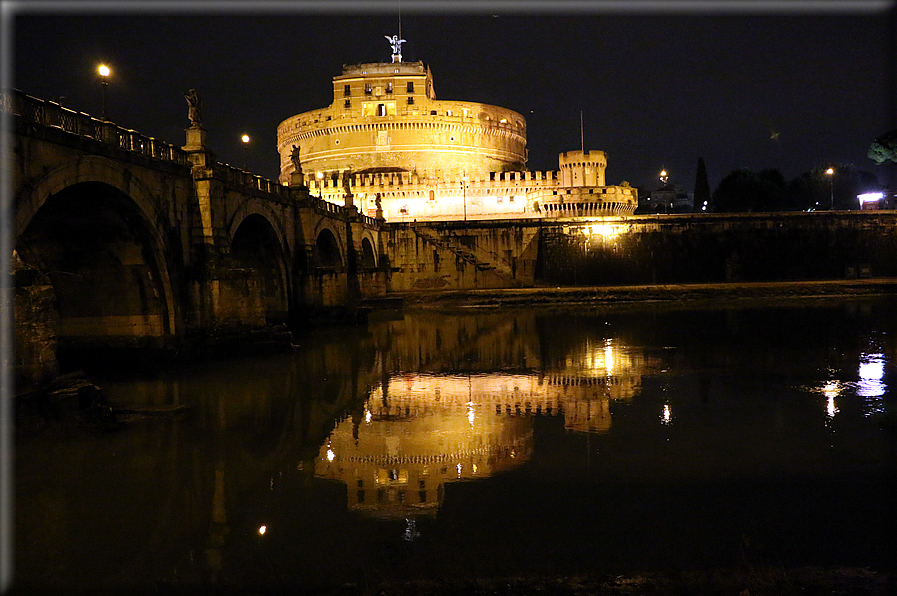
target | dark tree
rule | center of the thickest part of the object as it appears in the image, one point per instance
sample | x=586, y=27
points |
x=817, y=190
x=746, y=190
x=702, y=187
x=884, y=148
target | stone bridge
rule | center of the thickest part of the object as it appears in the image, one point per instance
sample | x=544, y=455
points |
x=123, y=240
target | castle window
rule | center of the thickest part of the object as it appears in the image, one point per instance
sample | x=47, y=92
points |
x=367, y=88
x=347, y=104
x=410, y=86
x=448, y=113
x=381, y=109
x=389, y=87
x=410, y=101
x=432, y=112
x=347, y=90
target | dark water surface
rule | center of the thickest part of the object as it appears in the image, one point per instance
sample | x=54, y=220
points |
x=484, y=444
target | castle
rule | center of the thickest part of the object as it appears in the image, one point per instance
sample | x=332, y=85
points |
x=388, y=147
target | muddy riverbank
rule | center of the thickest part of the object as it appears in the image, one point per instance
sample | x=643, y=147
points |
x=669, y=293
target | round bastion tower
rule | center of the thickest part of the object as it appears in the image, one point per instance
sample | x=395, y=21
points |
x=385, y=118
x=389, y=148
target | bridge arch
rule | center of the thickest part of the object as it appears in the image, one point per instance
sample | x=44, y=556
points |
x=329, y=248
x=368, y=256
x=257, y=248
x=96, y=231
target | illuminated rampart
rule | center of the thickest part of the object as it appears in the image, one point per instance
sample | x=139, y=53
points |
x=423, y=159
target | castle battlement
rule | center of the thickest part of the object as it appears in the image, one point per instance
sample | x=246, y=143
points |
x=423, y=158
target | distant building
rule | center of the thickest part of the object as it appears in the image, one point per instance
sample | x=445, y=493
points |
x=884, y=199
x=389, y=142
x=667, y=199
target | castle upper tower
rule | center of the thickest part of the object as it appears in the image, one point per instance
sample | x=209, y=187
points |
x=385, y=117
x=582, y=168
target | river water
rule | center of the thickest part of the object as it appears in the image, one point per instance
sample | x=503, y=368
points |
x=481, y=444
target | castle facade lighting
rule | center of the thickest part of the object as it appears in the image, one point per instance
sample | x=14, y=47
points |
x=422, y=158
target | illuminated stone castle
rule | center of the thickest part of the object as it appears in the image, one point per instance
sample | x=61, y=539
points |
x=387, y=140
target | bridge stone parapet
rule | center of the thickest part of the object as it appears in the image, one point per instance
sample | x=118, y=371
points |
x=138, y=243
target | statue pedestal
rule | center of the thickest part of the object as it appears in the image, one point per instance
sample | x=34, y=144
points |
x=196, y=139
x=297, y=179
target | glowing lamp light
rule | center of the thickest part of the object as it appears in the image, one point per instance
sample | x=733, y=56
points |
x=245, y=138
x=330, y=455
x=104, y=70
x=605, y=230
x=262, y=530
x=830, y=171
x=870, y=197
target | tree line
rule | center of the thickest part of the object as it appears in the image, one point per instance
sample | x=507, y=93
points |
x=768, y=190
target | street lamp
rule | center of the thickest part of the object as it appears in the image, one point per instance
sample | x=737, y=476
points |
x=245, y=139
x=664, y=177
x=831, y=177
x=104, y=72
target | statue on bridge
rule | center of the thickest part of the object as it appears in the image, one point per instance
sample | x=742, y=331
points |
x=294, y=157
x=194, y=111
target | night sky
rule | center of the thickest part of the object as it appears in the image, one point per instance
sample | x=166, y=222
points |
x=788, y=85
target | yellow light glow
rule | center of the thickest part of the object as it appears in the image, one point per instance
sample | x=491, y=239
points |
x=320, y=175
x=663, y=172
x=830, y=408
x=104, y=70
x=609, y=359
x=262, y=530
x=830, y=171
x=832, y=389
x=330, y=455
x=245, y=138
x=367, y=415
x=606, y=230
x=667, y=417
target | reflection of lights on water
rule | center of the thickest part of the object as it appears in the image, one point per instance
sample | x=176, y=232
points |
x=609, y=358
x=832, y=389
x=410, y=529
x=367, y=415
x=330, y=455
x=470, y=413
x=871, y=372
x=459, y=470
x=474, y=468
x=262, y=530
x=830, y=408
x=667, y=416
x=870, y=386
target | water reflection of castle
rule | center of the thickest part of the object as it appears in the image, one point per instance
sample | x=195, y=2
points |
x=420, y=431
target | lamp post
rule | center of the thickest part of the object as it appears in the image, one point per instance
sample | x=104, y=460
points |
x=831, y=177
x=245, y=139
x=104, y=81
x=464, y=194
x=664, y=177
